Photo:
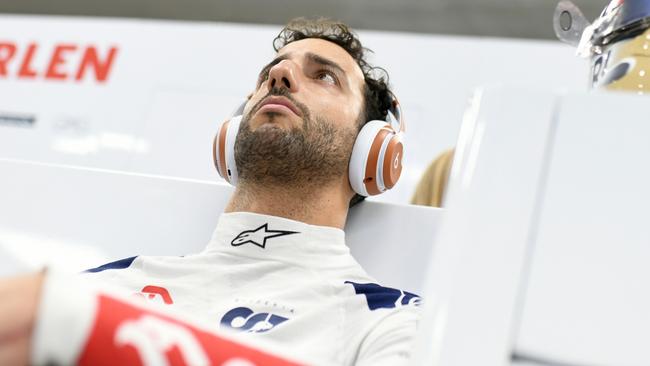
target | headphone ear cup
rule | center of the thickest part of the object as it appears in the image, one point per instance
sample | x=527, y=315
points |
x=375, y=143
x=223, y=150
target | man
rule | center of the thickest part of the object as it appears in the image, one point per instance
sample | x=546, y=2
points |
x=276, y=271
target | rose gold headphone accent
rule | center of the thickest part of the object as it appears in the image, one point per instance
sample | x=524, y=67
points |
x=370, y=180
x=393, y=162
x=223, y=171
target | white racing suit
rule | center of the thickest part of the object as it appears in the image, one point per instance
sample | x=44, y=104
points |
x=282, y=286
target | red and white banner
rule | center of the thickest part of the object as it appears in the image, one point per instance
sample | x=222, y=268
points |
x=105, y=327
x=123, y=334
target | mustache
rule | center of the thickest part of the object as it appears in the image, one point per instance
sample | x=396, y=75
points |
x=281, y=92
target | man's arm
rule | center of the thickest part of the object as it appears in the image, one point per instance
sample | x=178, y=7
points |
x=53, y=319
x=18, y=303
x=390, y=343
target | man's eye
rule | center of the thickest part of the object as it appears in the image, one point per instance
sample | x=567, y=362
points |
x=326, y=76
x=263, y=76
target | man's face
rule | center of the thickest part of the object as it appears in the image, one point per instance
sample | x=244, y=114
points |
x=302, y=119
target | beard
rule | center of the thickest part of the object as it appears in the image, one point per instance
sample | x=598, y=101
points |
x=317, y=153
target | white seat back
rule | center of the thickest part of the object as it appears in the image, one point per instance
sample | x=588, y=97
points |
x=543, y=254
x=84, y=217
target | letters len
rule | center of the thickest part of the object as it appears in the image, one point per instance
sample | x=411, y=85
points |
x=61, y=62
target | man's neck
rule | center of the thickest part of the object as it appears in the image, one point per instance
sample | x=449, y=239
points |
x=319, y=206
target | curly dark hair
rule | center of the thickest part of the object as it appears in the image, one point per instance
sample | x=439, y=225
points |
x=377, y=95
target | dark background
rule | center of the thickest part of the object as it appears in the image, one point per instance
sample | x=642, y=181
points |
x=494, y=18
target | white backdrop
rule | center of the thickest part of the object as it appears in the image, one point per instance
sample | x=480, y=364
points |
x=171, y=83
x=542, y=255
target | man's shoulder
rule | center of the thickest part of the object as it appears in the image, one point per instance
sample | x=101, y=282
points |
x=136, y=262
x=379, y=298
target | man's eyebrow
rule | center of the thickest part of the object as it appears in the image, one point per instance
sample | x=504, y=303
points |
x=325, y=62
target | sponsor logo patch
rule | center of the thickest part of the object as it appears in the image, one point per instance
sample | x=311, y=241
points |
x=156, y=294
x=244, y=319
x=379, y=297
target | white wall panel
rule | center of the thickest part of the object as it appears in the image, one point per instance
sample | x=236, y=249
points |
x=587, y=298
x=542, y=257
x=172, y=82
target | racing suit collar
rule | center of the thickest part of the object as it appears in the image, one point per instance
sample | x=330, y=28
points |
x=256, y=235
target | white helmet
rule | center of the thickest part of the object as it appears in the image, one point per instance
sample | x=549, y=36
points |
x=617, y=42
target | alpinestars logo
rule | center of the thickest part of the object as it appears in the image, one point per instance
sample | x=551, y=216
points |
x=259, y=236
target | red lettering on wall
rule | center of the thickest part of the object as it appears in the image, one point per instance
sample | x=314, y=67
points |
x=26, y=70
x=53, y=70
x=91, y=59
x=62, y=62
x=7, y=51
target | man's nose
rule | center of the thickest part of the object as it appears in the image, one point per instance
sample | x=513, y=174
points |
x=283, y=75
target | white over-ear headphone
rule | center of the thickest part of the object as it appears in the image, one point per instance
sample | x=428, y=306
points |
x=376, y=160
